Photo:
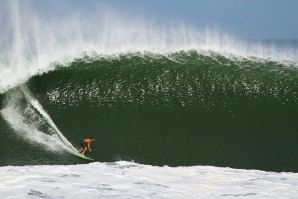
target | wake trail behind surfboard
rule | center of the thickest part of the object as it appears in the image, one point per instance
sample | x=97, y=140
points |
x=39, y=108
x=29, y=120
x=83, y=156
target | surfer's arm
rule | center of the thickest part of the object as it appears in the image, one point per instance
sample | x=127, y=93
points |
x=89, y=147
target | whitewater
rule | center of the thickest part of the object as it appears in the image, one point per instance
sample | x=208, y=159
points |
x=34, y=45
x=130, y=180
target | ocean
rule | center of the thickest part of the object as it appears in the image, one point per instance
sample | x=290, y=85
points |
x=176, y=112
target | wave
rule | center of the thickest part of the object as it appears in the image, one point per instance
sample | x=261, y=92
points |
x=183, y=108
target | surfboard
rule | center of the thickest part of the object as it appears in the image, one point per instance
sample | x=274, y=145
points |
x=82, y=156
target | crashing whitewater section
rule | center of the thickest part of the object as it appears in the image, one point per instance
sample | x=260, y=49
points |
x=130, y=180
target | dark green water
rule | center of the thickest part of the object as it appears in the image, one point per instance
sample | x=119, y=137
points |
x=182, y=109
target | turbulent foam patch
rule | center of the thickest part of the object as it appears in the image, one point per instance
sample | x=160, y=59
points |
x=129, y=180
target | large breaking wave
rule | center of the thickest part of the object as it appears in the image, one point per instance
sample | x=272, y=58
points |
x=183, y=108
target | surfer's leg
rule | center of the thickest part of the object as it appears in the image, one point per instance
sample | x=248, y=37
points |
x=84, y=150
x=82, y=146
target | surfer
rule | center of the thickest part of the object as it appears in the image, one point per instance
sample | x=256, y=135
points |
x=85, y=144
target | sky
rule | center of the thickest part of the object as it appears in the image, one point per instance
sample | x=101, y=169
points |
x=248, y=19
x=245, y=19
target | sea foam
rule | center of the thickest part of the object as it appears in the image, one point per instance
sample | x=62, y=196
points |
x=130, y=180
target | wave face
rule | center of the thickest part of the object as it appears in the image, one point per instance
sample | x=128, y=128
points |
x=182, y=79
x=184, y=108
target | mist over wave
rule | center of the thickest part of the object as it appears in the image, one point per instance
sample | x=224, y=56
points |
x=33, y=43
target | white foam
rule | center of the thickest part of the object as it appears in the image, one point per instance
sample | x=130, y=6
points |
x=31, y=122
x=48, y=119
x=28, y=132
x=34, y=42
x=130, y=180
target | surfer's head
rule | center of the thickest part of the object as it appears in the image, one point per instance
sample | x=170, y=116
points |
x=92, y=138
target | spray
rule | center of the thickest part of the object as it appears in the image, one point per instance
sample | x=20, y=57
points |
x=29, y=120
x=34, y=42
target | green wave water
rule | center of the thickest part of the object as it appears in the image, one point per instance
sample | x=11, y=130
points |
x=184, y=108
